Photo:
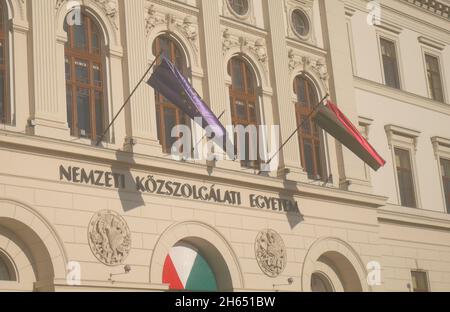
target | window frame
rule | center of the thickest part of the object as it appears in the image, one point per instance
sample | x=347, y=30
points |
x=427, y=280
x=410, y=172
x=395, y=41
x=92, y=59
x=320, y=166
x=406, y=139
x=246, y=97
x=430, y=52
x=179, y=114
x=441, y=148
x=241, y=17
x=308, y=21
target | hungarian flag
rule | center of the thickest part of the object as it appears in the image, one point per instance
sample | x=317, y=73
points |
x=169, y=81
x=333, y=121
x=186, y=269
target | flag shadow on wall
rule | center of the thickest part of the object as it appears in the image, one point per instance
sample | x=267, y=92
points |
x=129, y=196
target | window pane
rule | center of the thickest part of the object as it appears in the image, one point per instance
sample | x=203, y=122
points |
x=301, y=95
x=434, y=78
x=69, y=105
x=2, y=97
x=238, y=81
x=306, y=128
x=81, y=69
x=83, y=113
x=4, y=271
x=170, y=122
x=309, y=158
x=420, y=281
x=79, y=32
x=252, y=112
x=2, y=52
x=319, y=164
x=95, y=43
x=97, y=75
x=445, y=164
x=68, y=70
x=98, y=113
x=240, y=110
x=445, y=167
x=250, y=80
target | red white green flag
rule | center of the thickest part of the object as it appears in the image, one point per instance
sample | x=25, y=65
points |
x=186, y=269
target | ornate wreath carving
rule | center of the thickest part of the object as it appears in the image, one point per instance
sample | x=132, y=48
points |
x=270, y=253
x=109, y=238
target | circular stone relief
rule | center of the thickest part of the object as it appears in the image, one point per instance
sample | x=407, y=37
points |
x=240, y=7
x=300, y=23
x=109, y=237
x=270, y=253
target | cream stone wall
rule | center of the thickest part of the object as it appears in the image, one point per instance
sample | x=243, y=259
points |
x=341, y=226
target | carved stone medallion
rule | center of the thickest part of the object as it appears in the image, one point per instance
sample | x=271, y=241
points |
x=270, y=253
x=109, y=238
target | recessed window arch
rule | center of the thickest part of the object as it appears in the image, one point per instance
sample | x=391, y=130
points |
x=321, y=283
x=85, y=78
x=244, y=108
x=167, y=114
x=5, y=107
x=310, y=135
x=6, y=269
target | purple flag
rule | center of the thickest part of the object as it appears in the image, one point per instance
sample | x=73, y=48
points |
x=167, y=80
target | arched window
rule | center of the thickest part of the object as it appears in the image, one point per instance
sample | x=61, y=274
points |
x=6, y=269
x=310, y=135
x=243, y=98
x=168, y=115
x=84, y=79
x=5, y=114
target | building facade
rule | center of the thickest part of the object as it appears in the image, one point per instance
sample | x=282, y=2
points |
x=124, y=215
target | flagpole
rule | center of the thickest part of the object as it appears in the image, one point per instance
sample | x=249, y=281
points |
x=127, y=100
x=296, y=130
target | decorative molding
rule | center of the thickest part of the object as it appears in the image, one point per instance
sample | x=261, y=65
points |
x=249, y=17
x=432, y=43
x=394, y=133
x=306, y=6
x=401, y=95
x=152, y=19
x=270, y=253
x=109, y=238
x=109, y=7
x=389, y=27
x=299, y=62
x=441, y=146
x=436, y=7
x=256, y=46
x=183, y=22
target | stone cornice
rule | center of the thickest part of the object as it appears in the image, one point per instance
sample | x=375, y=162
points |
x=435, y=7
x=60, y=149
x=405, y=14
x=401, y=95
x=421, y=217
